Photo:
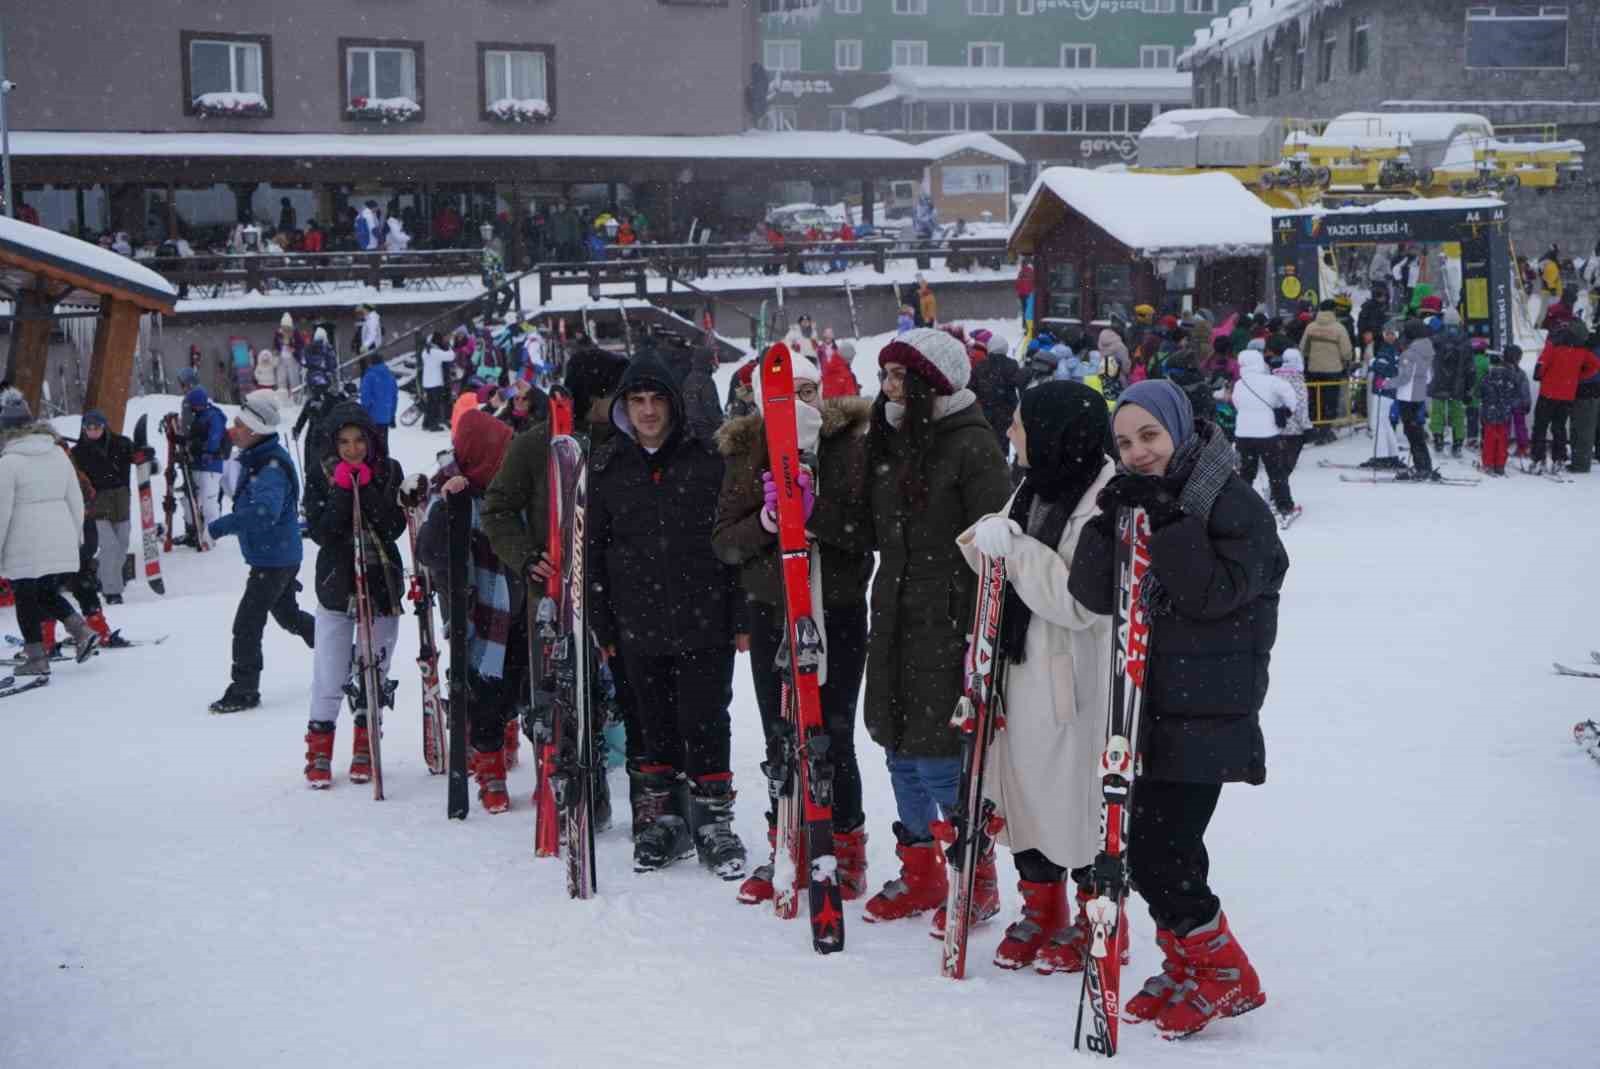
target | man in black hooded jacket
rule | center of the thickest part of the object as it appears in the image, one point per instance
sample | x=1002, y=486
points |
x=674, y=611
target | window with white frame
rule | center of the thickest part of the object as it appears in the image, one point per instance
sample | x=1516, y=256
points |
x=1360, y=43
x=847, y=7
x=1158, y=7
x=986, y=54
x=986, y=7
x=847, y=55
x=910, y=7
x=1199, y=7
x=844, y=118
x=1025, y=7
x=1325, y=54
x=514, y=75
x=778, y=7
x=1155, y=56
x=781, y=119
x=780, y=55
x=225, y=67
x=1517, y=36
x=909, y=54
x=1077, y=57
x=380, y=72
x=1024, y=118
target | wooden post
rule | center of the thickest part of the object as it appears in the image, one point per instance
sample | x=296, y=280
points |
x=30, y=346
x=868, y=192
x=116, y=337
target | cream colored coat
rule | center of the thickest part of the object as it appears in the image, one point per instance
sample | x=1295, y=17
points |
x=1043, y=768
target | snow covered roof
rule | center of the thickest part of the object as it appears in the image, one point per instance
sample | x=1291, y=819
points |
x=1251, y=25
x=1151, y=214
x=752, y=145
x=941, y=147
x=94, y=272
x=1030, y=84
x=1186, y=122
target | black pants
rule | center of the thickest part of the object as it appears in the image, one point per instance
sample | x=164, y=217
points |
x=381, y=433
x=1415, y=426
x=847, y=660
x=628, y=710
x=268, y=591
x=1550, y=421
x=85, y=585
x=39, y=599
x=494, y=701
x=1268, y=451
x=1167, y=851
x=434, y=406
x=683, y=707
x=1292, y=445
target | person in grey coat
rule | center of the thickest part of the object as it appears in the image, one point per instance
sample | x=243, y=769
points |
x=1411, y=393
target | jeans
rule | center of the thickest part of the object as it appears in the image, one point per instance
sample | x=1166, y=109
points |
x=268, y=591
x=847, y=660
x=39, y=599
x=923, y=787
x=682, y=702
x=1167, y=850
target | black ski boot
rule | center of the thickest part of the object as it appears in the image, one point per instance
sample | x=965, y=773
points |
x=1455, y=451
x=1438, y=443
x=660, y=821
x=236, y=700
x=711, y=815
x=602, y=788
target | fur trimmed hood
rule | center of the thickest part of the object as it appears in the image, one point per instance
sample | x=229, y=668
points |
x=839, y=415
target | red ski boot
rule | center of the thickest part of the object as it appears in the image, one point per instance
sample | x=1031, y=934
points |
x=361, y=754
x=1067, y=947
x=1158, y=990
x=490, y=770
x=757, y=887
x=97, y=623
x=319, y=755
x=1044, y=910
x=850, y=854
x=985, y=897
x=513, y=742
x=49, y=627
x=1218, y=981
x=921, y=886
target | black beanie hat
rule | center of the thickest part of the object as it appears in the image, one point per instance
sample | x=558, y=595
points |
x=591, y=374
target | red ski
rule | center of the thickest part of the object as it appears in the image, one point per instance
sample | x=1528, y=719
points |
x=1119, y=768
x=366, y=666
x=979, y=715
x=421, y=597
x=798, y=761
x=543, y=636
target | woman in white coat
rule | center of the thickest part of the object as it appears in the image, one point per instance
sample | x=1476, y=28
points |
x=1258, y=397
x=41, y=524
x=1057, y=660
x=267, y=370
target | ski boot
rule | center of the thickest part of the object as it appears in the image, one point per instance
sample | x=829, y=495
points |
x=1455, y=451
x=1417, y=475
x=922, y=884
x=489, y=769
x=513, y=742
x=711, y=818
x=985, y=896
x=1044, y=910
x=34, y=660
x=1069, y=944
x=1438, y=443
x=236, y=699
x=319, y=754
x=97, y=623
x=361, y=754
x=757, y=888
x=1218, y=981
x=850, y=855
x=88, y=642
x=660, y=827
x=1159, y=989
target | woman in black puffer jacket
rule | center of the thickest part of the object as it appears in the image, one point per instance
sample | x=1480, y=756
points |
x=353, y=462
x=1211, y=598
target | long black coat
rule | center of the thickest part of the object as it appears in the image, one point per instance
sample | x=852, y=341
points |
x=330, y=520
x=656, y=585
x=1209, y=654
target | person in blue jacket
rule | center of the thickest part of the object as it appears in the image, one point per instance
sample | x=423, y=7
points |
x=266, y=518
x=208, y=449
x=380, y=396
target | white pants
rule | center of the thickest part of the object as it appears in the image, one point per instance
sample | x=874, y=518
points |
x=1385, y=439
x=208, y=488
x=332, y=661
x=113, y=550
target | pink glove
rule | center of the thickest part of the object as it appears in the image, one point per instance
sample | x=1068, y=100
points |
x=769, y=495
x=347, y=475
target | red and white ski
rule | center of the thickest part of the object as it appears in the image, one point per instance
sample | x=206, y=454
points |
x=366, y=665
x=1119, y=768
x=798, y=760
x=421, y=597
x=144, y=459
x=544, y=633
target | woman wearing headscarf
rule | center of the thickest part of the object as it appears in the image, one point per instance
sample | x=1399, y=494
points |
x=1041, y=770
x=936, y=469
x=1210, y=596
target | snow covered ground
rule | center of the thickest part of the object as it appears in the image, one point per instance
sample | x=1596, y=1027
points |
x=1414, y=882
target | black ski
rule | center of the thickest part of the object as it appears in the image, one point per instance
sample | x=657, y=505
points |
x=460, y=515
x=1389, y=477
x=10, y=686
x=573, y=781
x=1579, y=672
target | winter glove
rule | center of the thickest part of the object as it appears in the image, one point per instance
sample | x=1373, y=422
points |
x=1141, y=492
x=769, y=499
x=347, y=475
x=414, y=490
x=993, y=535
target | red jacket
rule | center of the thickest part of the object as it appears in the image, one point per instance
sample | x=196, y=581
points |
x=837, y=378
x=1025, y=281
x=1559, y=369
